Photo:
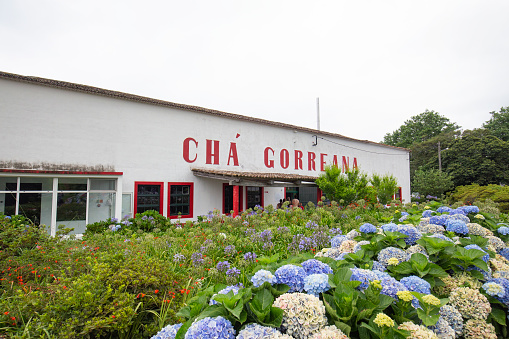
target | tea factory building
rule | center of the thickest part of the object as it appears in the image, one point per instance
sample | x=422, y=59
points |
x=74, y=154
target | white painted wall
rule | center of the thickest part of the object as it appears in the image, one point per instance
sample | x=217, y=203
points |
x=145, y=142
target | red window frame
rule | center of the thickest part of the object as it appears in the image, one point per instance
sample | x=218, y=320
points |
x=161, y=194
x=241, y=198
x=191, y=199
x=399, y=191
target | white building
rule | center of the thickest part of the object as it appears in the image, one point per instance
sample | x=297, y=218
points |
x=73, y=154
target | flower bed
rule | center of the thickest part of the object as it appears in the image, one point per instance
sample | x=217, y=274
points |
x=435, y=272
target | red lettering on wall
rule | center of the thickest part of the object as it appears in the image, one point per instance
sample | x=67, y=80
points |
x=335, y=160
x=186, y=150
x=311, y=161
x=354, y=166
x=212, y=151
x=268, y=163
x=345, y=164
x=284, y=158
x=233, y=154
x=322, y=161
x=298, y=159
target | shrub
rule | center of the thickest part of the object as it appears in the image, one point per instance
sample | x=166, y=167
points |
x=474, y=193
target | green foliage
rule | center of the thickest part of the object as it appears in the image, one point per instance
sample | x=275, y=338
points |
x=420, y=266
x=477, y=157
x=347, y=187
x=498, y=124
x=419, y=128
x=471, y=194
x=424, y=155
x=431, y=182
x=385, y=187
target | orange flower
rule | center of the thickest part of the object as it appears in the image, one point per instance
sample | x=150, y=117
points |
x=156, y=291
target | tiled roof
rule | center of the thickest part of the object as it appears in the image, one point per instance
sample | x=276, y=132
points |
x=137, y=98
x=254, y=175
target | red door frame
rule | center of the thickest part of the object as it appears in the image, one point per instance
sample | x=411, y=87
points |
x=241, y=199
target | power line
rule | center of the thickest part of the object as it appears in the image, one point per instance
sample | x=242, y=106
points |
x=359, y=149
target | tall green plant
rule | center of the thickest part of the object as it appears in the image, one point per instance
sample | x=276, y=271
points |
x=348, y=187
x=385, y=187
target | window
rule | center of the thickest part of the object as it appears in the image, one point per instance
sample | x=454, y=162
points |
x=254, y=196
x=228, y=198
x=180, y=200
x=149, y=197
x=398, y=195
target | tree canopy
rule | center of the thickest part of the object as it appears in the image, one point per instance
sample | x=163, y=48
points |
x=477, y=157
x=420, y=128
x=498, y=125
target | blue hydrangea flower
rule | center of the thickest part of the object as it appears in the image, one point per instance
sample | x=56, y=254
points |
x=505, y=284
x=456, y=226
x=217, y=327
x=485, y=258
x=234, y=288
x=391, y=227
x=493, y=289
x=412, y=233
x=262, y=276
x=504, y=230
x=391, y=287
x=415, y=284
x=504, y=252
x=460, y=217
x=222, y=266
x=378, y=267
x=457, y=211
x=453, y=318
x=367, y=228
x=313, y=266
x=256, y=331
x=391, y=252
x=442, y=329
x=359, y=245
x=405, y=213
x=444, y=209
x=316, y=283
x=168, y=332
x=364, y=276
x=438, y=219
x=469, y=209
x=292, y=276
x=338, y=240
x=427, y=214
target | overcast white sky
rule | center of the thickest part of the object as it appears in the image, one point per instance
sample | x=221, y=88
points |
x=374, y=64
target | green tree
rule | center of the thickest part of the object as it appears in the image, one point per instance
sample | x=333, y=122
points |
x=385, y=187
x=498, y=125
x=477, y=157
x=420, y=128
x=424, y=155
x=349, y=186
x=431, y=182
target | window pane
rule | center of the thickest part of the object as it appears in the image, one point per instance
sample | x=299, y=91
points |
x=72, y=184
x=126, y=206
x=71, y=211
x=36, y=184
x=185, y=189
x=8, y=183
x=102, y=184
x=148, y=198
x=8, y=203
x=101, y=206
x=36, y=207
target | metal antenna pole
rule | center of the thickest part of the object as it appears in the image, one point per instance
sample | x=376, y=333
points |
x=318, y=113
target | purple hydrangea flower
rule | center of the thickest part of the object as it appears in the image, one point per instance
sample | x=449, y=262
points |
x=292, y=276
x=367, y=228
x=250, y=256
x=313, y=266
x=222, y=266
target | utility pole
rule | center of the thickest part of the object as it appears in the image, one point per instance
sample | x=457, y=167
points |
x=318, y=113
x=439, y=158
